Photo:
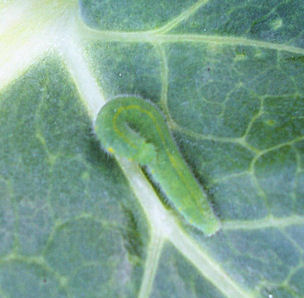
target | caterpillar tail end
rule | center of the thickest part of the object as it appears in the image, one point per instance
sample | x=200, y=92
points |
x=212, y=227
x=209, y=226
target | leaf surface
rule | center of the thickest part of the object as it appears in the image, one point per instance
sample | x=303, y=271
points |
x=229, y=79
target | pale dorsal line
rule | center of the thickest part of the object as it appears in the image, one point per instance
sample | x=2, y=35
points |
x=180, y=18
x=257, y=224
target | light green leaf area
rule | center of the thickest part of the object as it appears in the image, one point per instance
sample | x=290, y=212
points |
x=229, y=78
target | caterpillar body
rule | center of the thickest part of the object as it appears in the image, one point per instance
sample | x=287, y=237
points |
x=134, y=128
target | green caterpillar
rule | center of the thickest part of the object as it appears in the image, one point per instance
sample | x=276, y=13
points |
x=131, y=127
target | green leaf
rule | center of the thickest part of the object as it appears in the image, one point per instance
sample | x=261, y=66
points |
x=229, y=79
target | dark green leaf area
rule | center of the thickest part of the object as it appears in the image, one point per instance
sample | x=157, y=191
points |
x=127, y=68
x=299, y=193
x=238, y=198
x=236, y=92
x=256, y=257
x=94, y=256
x=276, y=173
x=131, y=15
x=296, y=232
x=299, y=147
x=273, y=21
x=281, y=121
x=292, y=66
x=21, y=278
x=208, y=89
x=299, y=189
x=296, y=281
x=176, y=277
x=7, y=219
x=279, y=291
x=212, y=160
x=57, y=184
x=24, y=161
